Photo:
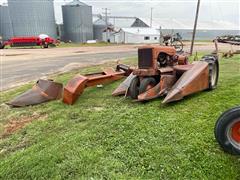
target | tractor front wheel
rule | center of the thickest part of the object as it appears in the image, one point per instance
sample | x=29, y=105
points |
x=213, y=70
x=227, y=131
x=134, y=88
x=146, y=84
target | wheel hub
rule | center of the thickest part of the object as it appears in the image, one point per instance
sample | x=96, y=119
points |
x=236, y=132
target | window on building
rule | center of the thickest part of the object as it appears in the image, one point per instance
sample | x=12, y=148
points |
x=155, y=38
x=146, y=38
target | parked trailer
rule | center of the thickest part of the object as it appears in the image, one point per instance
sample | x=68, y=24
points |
x=30, y=41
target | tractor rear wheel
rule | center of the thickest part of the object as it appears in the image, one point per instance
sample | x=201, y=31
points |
x=134, y=88
x=227, y=131
x=213, y=70
x=146, y=84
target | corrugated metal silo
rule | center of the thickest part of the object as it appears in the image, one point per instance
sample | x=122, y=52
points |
x=32, y=17
x=98, y=27
x=6, y=31
x=77, y=22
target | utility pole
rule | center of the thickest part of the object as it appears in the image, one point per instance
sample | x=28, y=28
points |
x=151, y=17
x=106, y=13
x=160, y=35
x=195, y=27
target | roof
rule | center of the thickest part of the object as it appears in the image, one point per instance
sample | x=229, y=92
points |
x=76, y=3
x=100, y=22
x=141, y=30
x=139, y=23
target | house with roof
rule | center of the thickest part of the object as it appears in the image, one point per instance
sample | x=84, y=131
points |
x=144, y=35
x=137, y=31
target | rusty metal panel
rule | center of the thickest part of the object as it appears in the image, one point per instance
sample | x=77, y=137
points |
x=194, y=80
x=145, y=58
x=73, y=89
x=123, y=87
x=76, y=86
x=42, y=91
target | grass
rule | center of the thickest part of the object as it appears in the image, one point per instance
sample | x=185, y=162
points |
x=68, y=45
x=104, y=137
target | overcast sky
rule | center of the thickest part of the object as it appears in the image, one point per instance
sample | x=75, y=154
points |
x=224, y=11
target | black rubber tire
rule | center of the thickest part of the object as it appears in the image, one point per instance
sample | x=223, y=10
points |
x=2, y=46
x=145, y=82
x=220, y=131
x=213, y=70
x=45, y=45
x=134, y=88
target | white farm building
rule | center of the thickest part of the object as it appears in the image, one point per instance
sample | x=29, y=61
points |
x=133, y=35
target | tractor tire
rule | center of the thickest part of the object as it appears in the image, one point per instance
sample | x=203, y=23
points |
x=213, y=70
x=227, y=131
x=134, y=88
x=45, y=46
x=146, y=84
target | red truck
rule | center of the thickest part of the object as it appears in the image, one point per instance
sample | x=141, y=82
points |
x=29, y=41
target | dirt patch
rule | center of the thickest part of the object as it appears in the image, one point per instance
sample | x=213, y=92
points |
x=14, y=54
x=17, y=124
x=80, y=52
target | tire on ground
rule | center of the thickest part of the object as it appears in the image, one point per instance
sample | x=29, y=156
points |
x=134, y=88
x=213, y=70
x=145, y=83
x=45, y=45
x=223, y=130
x=1, y=46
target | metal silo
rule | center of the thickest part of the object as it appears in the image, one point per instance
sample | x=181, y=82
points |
x=6, y=31
x=32, y=17
x=77, y=22
x=98, y=27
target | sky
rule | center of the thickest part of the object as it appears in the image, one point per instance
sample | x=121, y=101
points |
x=223, y=14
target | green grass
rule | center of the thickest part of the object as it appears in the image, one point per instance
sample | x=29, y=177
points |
x=68, y=45
x=105, y=137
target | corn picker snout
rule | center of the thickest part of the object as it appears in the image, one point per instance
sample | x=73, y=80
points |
x=163, y=72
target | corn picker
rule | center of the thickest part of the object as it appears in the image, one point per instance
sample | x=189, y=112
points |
x=227, y=131
x=163, y=72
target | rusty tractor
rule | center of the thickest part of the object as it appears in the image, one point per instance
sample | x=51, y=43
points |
x=163, y=72
x=227, y=131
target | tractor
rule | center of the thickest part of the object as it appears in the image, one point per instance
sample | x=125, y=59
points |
x=164, y=72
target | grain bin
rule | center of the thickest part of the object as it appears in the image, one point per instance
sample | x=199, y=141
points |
x=98, y=27
x=6, y=31
x=77, y=22
x=32, y=17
